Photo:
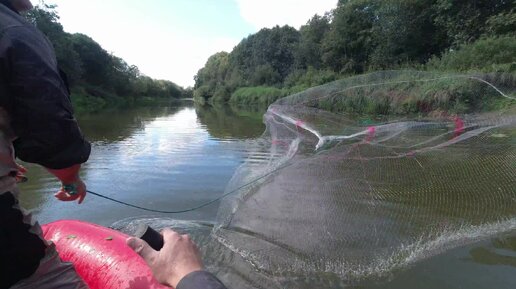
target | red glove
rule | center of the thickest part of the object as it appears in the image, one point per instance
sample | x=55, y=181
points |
x=20, y=174
x=73, y=187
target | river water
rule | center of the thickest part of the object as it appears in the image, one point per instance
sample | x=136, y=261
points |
x=179, y=156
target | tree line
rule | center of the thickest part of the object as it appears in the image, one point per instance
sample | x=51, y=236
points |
x=93, y=73
x=365, y=35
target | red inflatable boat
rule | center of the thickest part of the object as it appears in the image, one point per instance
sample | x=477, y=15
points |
x=100, y=255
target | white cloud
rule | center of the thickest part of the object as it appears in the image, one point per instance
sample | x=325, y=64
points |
x=175, y=58
x=160, y=50
x=145, y=37
x=269, y=13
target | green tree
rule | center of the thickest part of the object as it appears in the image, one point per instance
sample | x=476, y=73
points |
x=362, y=35
x=309, y=50
x=404, y=32
x=464, y=20
x=347, y=46
x=96, y=61
x=122, y=76
x=503, y=23
x=269, y=50
x=91, y=70
x=213, y=74
x=265, y=74
x=47, y=20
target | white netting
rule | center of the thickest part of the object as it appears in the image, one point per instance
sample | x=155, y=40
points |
x=344, y=196
x=356, y=197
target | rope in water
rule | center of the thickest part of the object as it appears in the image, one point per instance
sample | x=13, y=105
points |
x=193, y=208
x=159, y=211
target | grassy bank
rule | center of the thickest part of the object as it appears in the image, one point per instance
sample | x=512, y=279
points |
x=449, y=94
x=261, y=95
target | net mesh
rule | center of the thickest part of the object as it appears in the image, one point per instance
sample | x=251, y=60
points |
x=334, y=192
x=357, y=196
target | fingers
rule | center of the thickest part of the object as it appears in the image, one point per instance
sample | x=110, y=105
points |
x=170, y=236
x=81, y=189
x=20, y=174
x=21, y=169
x=143, y=249
x=81, y=197
x=64, y=196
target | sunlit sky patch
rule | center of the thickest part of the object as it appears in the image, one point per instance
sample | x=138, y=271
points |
x=172, y=39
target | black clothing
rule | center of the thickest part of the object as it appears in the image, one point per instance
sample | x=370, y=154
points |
x=20, y=249
x=200, y=280
x=40, y=117
x=8, y=4
x=36, y=97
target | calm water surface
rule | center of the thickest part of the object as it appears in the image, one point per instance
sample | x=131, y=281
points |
x=176, y=157
x=164, y=158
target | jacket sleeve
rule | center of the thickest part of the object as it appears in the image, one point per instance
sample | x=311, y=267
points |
x=39, y=104
x=200, y=280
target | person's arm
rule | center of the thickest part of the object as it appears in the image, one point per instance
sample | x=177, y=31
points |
x=200, y=280
x=178, y=264
x=40, y=108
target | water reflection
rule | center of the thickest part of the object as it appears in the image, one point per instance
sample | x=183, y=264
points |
x=116, y=125
x=159, y=157
x=230, y=121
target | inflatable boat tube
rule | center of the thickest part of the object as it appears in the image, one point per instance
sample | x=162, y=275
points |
x=100, y=256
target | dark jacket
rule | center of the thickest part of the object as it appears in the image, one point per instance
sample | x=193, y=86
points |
x=200, y=280
x=36, y=97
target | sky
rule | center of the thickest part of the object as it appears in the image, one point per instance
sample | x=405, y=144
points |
x=173, y=39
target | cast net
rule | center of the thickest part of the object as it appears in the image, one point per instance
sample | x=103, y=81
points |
x=356, y=195
x=346, y=193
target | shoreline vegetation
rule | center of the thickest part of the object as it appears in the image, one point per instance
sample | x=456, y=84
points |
x=86, y=103
x=359, y=37
x=98, y=79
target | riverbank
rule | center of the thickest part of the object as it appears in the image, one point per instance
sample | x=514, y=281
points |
x=281, y=61
x=94, y=100
x=396, y=92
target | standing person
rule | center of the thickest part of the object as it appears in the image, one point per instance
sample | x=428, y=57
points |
x=36, y=119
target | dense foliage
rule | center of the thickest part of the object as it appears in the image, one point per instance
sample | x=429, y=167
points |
x=360, y=36
x=97, y=77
